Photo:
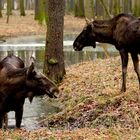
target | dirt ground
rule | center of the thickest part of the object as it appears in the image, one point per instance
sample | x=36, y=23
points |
x=26, y=25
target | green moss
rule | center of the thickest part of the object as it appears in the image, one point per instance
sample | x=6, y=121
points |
x=106, y=120
x=52, y=61
x=86, y=99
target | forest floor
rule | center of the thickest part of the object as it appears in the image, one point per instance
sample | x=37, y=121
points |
x=93, y=106
x=26, y=25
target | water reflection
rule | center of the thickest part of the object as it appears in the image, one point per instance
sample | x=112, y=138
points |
x=39, y=106
x=70, y=56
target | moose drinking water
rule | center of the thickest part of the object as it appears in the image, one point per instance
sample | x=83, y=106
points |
x=17, y=83
x=123, y=31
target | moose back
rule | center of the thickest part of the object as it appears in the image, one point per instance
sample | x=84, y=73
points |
x=123, y=31
x=17, y=83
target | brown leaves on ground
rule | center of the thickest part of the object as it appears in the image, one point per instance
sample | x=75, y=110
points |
x=20, y=25
x=94, y=107
x=26, y=25
x=116, y=133
x=92, y=98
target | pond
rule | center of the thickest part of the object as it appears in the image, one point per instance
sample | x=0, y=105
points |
x=25, y=47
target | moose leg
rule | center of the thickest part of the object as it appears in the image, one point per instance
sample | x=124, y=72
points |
x=136, y=65
x=18, y=116
x=1, y=121
x=124, y=59
x=5, y=121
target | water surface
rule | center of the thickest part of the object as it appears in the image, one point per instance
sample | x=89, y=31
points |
x=25, y=47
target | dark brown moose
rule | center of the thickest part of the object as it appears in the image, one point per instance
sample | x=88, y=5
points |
x=123, y=31
x=17, y=83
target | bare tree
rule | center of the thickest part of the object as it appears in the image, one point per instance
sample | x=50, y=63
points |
x=54, y=58
x=36, y=9
x=9, y=9
x=79, y=8
x=0, y=8
x=22, y=10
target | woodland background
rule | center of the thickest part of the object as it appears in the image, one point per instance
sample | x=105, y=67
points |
x=93, y=107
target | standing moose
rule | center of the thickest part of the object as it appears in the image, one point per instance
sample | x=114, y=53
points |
x=123, y=31
x=17, y=83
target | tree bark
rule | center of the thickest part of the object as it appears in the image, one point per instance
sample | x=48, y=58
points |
x=22, y=10
x=9, y=10
x=89, y=9
x=69, y=6
x=79, y=8
x=36, y=9
x=105, y=8
x=54, y=57
x=0, y=8
x=42, y=12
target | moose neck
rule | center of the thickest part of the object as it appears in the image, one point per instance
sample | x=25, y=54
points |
x=103, y=30
x=103, y=38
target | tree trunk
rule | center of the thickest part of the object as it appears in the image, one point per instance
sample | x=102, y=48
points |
x=136, y=9
x=111, y=7
x=98, y=10
x=40, y=11
x=54, y=58
x=69, y=6
x=36, y=9
x=12, y=4
x=17, y=4
x=89, y=9
x=106, y=9
x=0, y=8
x=22, y=10
x=79, y=8
x=117, y=8
x=9, y=10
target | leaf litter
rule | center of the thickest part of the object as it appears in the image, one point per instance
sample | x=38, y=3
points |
x=93, y=106
x=92, y=98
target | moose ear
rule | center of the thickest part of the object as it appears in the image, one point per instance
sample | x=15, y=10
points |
x=90, y=27
x=87, y=20
x=30, y=70
x=32, y=60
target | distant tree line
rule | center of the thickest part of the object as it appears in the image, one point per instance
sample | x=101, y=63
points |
x=15, y=4
x=21, y=5
x=38, y=5
x=78, y=8
x=101, y=8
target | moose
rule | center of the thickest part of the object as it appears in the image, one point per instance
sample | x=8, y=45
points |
x=18, y=82
x=123, y=31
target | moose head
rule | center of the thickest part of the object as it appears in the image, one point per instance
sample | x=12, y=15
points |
x=38, y=84
x=85, y=38
x=17, y=83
